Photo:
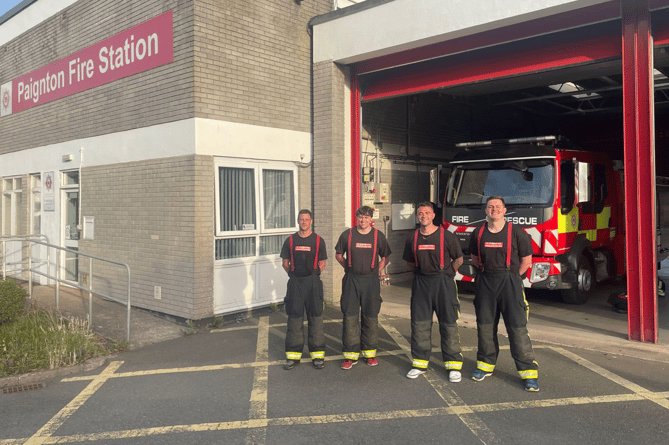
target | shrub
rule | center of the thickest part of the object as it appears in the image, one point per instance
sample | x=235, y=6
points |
x=12, y=300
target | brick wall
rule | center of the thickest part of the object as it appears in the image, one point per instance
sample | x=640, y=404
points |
x=156, y=216
x=329, y=166
x=253, y=61
x=164, y=94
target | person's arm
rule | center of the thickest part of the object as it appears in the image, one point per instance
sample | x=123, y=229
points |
x=286, y=265
x=382, y=263
x=457, y=263
x=525, y=263
x=476, y=261
x=321, y=265
x=340, y=259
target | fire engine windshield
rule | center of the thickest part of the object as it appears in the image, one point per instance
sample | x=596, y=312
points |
x=526, y=183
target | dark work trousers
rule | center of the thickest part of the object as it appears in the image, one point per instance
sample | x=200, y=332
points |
x=435, y=294
x=360, y=300
x=304, y=293
x=502, y=293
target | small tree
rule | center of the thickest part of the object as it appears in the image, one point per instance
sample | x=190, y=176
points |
x=12, y=300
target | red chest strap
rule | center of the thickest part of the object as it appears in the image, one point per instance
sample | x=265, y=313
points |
x=292, y=260
x=318, y=246
x=508, y=246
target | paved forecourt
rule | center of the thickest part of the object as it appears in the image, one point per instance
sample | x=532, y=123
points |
x=228, y=386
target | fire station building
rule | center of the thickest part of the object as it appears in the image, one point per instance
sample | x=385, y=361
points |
x=182, y=137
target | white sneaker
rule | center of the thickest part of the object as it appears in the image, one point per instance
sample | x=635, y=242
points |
x=414, y=373
x=454, y=376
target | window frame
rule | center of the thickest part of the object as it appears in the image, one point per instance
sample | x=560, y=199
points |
x=259, y=231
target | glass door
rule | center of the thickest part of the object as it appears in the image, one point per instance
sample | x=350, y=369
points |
x=70, y=212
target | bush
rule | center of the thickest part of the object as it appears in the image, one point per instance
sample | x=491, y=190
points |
x=12, y=300
x=42, y=340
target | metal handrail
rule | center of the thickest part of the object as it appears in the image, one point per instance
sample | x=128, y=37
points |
x=5, y=238
x=58, y=279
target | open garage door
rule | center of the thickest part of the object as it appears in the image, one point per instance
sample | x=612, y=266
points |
x=568, y=83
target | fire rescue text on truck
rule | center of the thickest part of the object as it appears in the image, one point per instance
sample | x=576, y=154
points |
x=568, y=200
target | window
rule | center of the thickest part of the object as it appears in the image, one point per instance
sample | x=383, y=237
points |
x=526, y=183
x=599, y=188
x=36, y=204
x=255, y=208
x=11, y=202
x=567, y=192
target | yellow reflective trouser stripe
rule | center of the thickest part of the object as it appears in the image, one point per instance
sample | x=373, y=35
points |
x=483, y=366
x=351, y=356
x=422, y=364
x=371, y=353
x=529, y=374
x=453, y=365
x=293, y=355
x=318, y=354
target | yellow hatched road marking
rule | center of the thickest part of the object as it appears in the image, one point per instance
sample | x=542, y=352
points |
x=649, y=395
x=258, y=411
x=347, y=417
x=471, y=420
x=52, y=425
x=258, y=422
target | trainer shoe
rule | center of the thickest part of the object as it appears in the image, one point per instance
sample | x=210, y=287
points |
x=372, y=361
x=348, y=364
x=531, y=385
x=414, y=373
x=319, y=363
x=290, y=364
x=454, y=376
x=480, y=374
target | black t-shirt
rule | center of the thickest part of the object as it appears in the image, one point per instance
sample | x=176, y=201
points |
x=427, y=251
x=494, y=248
x=304, y=252
x=362, y=253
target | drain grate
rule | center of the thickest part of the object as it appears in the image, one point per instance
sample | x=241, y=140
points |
x=22, y=388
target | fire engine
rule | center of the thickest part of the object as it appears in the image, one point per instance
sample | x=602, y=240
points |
x=569, y=201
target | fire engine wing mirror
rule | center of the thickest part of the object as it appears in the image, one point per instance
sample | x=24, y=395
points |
x=582, y=183
x=435, y=176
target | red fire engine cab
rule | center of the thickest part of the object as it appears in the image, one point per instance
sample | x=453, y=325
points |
x=569, y=201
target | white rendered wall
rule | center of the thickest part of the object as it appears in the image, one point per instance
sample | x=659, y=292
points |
x=31, y=16
x=186, y=137
x=406, y=24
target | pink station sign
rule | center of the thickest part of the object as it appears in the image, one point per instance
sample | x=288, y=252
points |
x=140, y=48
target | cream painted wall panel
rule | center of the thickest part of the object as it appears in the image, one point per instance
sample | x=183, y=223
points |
x=185, y=137
x=405, y=24
x=220, y=138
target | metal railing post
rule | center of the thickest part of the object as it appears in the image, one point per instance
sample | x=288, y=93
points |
x=129, y=306
x=57, y=280
x=30, y=271
x=90, y=293
x=30, y=239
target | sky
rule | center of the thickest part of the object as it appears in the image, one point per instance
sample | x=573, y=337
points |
x=6, y=5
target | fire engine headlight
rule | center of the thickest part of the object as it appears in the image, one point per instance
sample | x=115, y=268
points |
x=540, y=272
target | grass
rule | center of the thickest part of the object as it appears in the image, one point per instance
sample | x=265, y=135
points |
x=40, y=340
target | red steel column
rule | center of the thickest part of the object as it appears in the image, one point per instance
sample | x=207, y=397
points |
x=638, y=120
x=355, y=146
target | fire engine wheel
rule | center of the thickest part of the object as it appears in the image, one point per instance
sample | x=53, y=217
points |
x=580, y=293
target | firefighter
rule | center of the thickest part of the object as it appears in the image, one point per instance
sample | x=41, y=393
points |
x=304, y=256
x=503, y=253
x=434, y=254
x=363, y=252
